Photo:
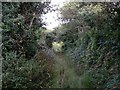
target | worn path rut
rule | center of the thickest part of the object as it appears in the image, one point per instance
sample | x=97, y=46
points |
x=66, y=76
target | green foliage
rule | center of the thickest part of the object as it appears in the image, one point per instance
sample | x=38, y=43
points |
x=22, y=24
x=92, y=41
x=21, y=73
x=89, y=36
x=21, y=28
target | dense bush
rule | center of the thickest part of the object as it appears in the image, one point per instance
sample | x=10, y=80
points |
x=88, y=36
x=92, y=41
x=21, y=29
x=21, y=73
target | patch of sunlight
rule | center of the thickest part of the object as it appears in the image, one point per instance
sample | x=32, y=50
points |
x=57, y=46
x=97, y=8
x=92, y=9
x=48, y=31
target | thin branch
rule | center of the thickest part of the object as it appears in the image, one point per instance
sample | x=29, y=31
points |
x=32, y=20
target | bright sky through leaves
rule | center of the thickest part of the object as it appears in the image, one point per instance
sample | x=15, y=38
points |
x=51, y=17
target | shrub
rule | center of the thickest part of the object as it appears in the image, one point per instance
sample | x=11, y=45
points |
x=21, y=73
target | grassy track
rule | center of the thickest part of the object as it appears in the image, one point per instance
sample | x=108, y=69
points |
x=66, y=76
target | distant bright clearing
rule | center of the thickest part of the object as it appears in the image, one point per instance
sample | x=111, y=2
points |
x=51, y=17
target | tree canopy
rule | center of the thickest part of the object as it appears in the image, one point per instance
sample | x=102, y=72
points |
x=82, y=52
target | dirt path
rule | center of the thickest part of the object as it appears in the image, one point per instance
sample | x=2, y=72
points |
x=66, y=76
